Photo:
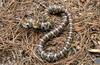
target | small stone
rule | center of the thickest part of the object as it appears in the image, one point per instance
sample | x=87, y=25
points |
x=97, y=61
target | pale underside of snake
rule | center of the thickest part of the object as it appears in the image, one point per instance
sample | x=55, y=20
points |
x=52, y=57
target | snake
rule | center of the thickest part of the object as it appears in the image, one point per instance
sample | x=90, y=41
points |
x=31, y=23
x=49, y=56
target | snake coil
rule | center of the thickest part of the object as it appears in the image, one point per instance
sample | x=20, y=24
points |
x=55, y=56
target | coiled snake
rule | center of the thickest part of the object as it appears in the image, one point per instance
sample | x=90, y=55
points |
x=51, y=56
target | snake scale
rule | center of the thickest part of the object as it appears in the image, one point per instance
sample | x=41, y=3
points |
x=52, y=57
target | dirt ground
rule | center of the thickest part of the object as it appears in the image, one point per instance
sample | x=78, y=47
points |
x=17, y=44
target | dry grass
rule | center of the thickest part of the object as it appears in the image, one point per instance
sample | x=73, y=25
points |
x=17, y=44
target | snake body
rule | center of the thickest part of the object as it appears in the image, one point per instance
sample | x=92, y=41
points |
x=52, y=57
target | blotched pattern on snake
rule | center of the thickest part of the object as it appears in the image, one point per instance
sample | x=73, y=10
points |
x=67, y=19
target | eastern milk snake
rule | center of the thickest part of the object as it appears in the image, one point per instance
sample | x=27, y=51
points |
x=66, y=20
